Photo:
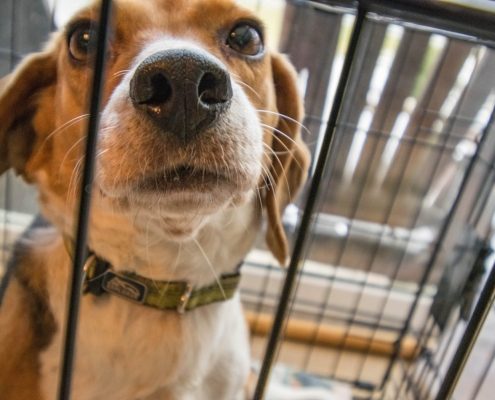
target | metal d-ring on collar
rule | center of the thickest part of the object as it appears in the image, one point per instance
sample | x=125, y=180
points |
x=184, y=299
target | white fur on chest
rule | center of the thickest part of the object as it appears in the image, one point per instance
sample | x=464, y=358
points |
x=129, y=351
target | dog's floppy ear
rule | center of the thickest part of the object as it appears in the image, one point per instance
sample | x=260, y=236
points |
x=290, y=156
x=17, y=106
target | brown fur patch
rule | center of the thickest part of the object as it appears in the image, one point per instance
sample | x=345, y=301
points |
x=27, y=324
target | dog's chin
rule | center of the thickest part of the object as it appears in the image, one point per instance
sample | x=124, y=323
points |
x=181, y=191
x=183, y=205
x=183, y=202
x=177, y=214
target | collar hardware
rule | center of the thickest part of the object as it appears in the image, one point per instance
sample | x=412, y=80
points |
x=94, y=273
x=179, y=296
x=124, y=286
x=184, y=299
x=89, y=264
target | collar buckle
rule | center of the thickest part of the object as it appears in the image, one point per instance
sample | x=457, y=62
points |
x=89, y=266
x=94, y=273
x=184, y=298
x=88, y=273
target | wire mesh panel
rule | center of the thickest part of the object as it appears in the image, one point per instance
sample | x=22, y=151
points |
x=17, y=199
x=392, y=237
x=397, y=246
x=478, y=385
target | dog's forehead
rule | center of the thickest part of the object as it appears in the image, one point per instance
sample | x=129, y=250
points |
x=172, y=16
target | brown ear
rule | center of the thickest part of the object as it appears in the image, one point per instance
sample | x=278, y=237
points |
x=290, y=157
x=18, y=92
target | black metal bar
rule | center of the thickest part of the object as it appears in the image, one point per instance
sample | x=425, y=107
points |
x=80, y=251
x=481, y=311
x=455, y=18
x=294, y=266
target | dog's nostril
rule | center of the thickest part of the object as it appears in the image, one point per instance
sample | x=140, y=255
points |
x=182, y=91
x=161, y=90
x=213, y=90
x=150, y=88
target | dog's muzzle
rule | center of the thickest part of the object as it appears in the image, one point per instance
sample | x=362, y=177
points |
x=182, y=91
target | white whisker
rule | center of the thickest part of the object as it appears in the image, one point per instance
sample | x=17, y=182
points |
x=287, y=118
x=244, y=84
x=211, y=268
x=282, y=143
x=284, y=175
x=172, y=272
x=64, y=126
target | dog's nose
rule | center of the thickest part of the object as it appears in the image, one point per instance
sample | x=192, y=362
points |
x=182, y=91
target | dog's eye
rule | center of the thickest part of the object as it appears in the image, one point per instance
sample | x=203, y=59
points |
x=246, y=40
x=81, y=41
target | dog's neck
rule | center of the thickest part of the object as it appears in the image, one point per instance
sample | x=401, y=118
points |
x=142, y=248
x=141, y=244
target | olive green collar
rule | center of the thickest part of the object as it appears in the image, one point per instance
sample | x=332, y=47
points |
x=180, y=296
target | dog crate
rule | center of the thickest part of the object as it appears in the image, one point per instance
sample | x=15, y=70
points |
x=390, y=286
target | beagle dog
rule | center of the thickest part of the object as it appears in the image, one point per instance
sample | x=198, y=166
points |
x=199, y=139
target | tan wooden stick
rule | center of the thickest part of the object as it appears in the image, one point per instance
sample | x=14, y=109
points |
x=358, y=339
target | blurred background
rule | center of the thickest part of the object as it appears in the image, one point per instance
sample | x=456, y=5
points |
x=400, y=241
